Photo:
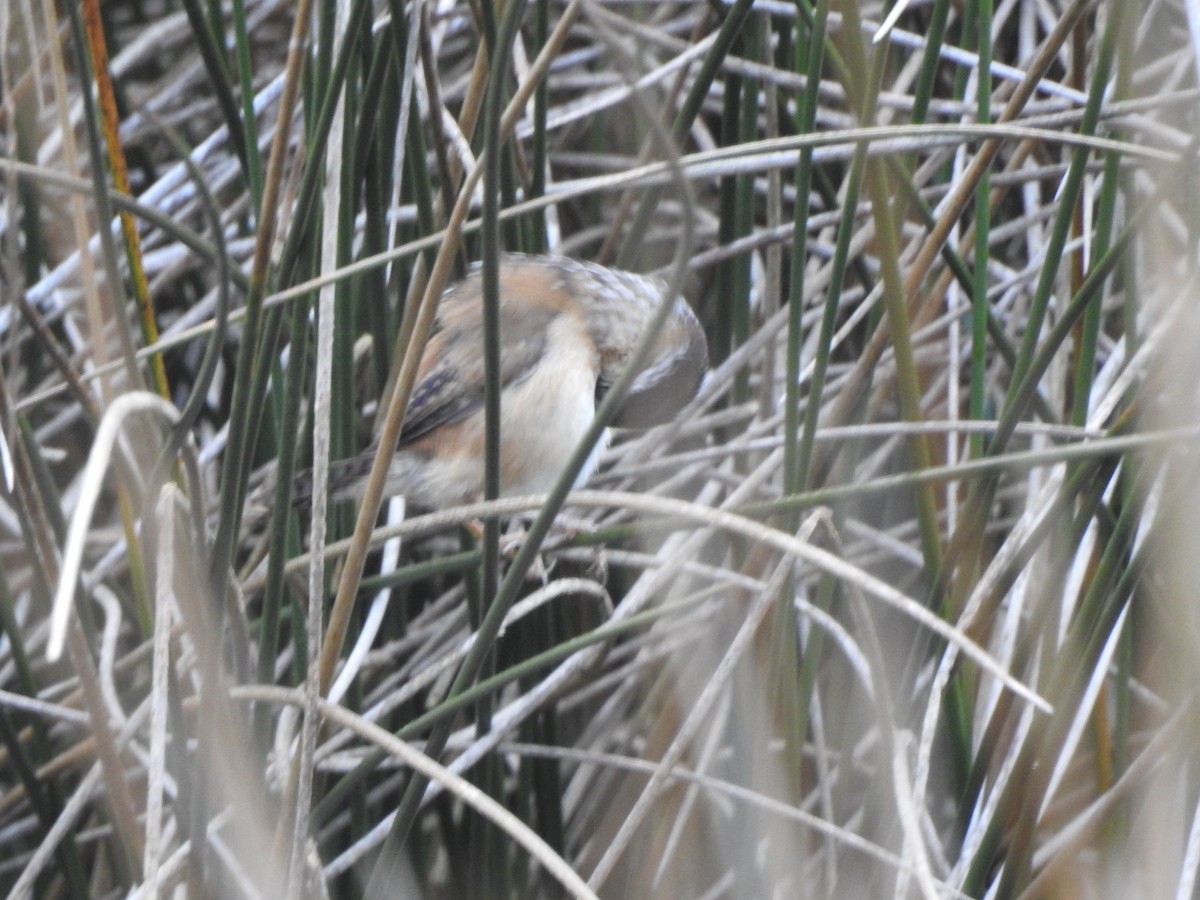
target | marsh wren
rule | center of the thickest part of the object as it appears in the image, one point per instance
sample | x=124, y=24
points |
x=567, y=329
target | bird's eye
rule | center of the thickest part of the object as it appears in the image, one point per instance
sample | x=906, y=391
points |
x=602, y=387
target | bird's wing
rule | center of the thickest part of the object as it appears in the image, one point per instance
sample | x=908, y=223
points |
x=450, y=385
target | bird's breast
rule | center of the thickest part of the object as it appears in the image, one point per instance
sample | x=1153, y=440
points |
x=544, y=416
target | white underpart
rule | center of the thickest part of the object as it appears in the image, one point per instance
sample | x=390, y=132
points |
x=548, y=412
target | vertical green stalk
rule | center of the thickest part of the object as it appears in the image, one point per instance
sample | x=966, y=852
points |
x=798, y=454
x=377, y=144
x=1068, y=199
x=260, y=333
x=387, y=868
x=209, y=34
x=245, y=75
x=983, y=214
x=739, y=126
x=233, y=470
x=282, y=520
x=535, y=222
x=887, y=240
x=744, y=200
x=935, y=35
x=728, y=294
x=1106, y=213
x=795, y=709
x=486, y=846
x=1123, y=724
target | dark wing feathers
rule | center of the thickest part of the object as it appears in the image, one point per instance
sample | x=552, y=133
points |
x=453, y=388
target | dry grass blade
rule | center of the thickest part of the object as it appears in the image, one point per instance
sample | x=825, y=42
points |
x=900, y=604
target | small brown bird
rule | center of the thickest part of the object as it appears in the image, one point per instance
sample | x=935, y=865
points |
x=567, y=328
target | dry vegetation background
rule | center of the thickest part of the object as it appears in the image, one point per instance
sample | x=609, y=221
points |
x=903, y=605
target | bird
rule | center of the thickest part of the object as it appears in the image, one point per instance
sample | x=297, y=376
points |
x=567, y=329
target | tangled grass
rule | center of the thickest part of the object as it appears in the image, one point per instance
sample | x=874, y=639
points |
x=901, y=604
